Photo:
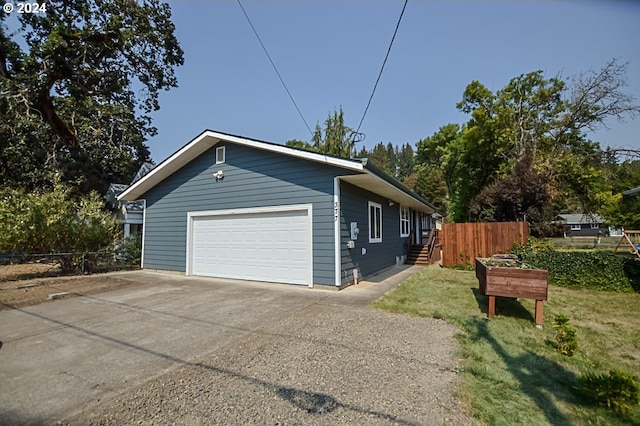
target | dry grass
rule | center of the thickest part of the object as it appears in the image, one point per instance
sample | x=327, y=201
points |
x=15, y=294
x=15, y=272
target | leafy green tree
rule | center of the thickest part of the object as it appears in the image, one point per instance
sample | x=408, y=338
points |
x=405, y=161
x=336, y=138
x=523, y=195
x=535, y=126
x=392, y=159
x=363, y=153
x=380, y=157
x=619, y=209
x=55, y=221
x=429, y=183
x=445, y=151
x=296, y=143
x=77, y=87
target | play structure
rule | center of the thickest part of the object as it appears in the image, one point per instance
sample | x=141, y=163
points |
x=631, y=239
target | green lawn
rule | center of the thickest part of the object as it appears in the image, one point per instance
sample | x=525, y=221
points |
x=512, y=373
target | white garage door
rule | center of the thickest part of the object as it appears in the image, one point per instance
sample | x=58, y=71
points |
x=254, y=244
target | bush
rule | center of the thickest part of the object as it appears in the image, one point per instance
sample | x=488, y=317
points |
x=566, y=340
x=55, y=222
x=129, y=250
x=597, y=270
x=617, y=391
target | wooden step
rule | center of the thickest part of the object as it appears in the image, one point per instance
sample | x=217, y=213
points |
x=425, y=254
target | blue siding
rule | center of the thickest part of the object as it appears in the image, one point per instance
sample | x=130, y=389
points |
x=252, y=178
x=354, y=207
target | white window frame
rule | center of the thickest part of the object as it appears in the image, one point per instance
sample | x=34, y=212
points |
x=576, y=227
x=219, y=150
x=405, y=221
x=376, y=222
x=595, y=226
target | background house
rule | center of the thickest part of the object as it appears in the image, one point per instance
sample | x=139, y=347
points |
x=234, y=207
x=582, y=225
x=129, y=213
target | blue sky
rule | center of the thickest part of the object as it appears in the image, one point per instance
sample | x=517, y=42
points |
x=330, y=52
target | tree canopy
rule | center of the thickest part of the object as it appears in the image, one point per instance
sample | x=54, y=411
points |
x=524, y=153
x=336, y=138
x=77, y=86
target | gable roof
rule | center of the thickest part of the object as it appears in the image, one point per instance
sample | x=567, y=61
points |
x=142, y=171
x=368, y=176
x=114, y=190
x=579, y=218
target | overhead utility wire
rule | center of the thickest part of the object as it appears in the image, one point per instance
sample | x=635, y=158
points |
x=274, y=67
x=382, y=68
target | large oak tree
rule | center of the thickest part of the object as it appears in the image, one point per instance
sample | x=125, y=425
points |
x=77, y=86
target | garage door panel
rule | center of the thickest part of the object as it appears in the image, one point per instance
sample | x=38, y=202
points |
x=266, y=246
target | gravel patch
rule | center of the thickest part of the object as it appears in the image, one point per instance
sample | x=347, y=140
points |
x=326, y=364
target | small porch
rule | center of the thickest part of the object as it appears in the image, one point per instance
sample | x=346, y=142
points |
x=422, y=246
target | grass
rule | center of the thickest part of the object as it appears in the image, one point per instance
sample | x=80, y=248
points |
x=512, y=373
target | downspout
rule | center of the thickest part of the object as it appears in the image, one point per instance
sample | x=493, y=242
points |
x=144, y=231
x=336, y=232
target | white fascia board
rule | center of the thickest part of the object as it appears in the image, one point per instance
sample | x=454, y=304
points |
x=210, y=138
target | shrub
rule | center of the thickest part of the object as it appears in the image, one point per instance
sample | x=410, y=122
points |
x=617, y=391
x=468, y=266
x=597, y=270
x=129, y=250
x=565, y=337
x=55, y=222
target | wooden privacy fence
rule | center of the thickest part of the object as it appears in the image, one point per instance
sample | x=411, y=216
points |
x=463, y=242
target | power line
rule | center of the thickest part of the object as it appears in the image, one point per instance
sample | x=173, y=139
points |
x=382, y=68
x=274, y=67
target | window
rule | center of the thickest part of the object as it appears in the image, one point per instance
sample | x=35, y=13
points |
x=595, y=226
x=220, y=154
x=425, y=221
x=405, y=222
x=375, y=222
x=576, y=227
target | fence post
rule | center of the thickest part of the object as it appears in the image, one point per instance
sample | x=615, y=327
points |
x=82, y=267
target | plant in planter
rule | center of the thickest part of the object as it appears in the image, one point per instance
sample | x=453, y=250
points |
x=504, y=275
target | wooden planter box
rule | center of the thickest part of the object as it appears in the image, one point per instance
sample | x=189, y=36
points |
x=512, y=282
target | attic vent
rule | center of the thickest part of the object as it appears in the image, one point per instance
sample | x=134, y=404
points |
x=220, y=154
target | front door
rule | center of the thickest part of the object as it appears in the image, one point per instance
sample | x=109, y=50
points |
x=417, y=230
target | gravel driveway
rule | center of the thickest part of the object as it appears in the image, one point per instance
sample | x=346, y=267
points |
x=327, y=365
x=331, y=361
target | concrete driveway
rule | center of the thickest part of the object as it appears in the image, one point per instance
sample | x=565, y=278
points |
x=56, y=358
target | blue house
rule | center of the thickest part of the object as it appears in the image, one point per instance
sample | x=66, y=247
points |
x=233, y=207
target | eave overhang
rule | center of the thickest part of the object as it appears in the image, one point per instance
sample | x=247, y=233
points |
x=367, y=175
x=208, y=139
